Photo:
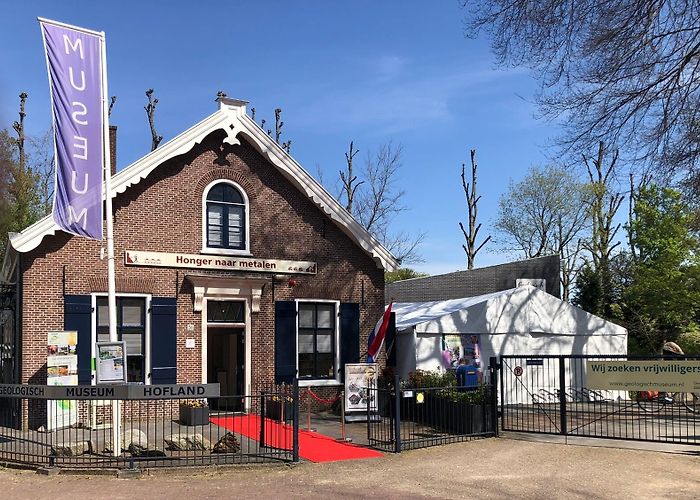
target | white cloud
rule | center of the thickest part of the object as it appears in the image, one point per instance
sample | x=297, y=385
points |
x=396, y=95
x=387, y=67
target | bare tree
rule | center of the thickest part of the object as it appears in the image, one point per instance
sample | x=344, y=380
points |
x=470, y=247
x=286, y=145
x=278, y=124
x=546, y=213
x=605, y=201
x=604, y=204
x=112, y=100
x=379, y=203
x=18, y=126
x=41, y=157
x=624, y=72
x=151, y=112
x=348, y=179
x=634, y=187
x=375, y=200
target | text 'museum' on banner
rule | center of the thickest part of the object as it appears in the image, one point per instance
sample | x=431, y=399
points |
x=75, y=66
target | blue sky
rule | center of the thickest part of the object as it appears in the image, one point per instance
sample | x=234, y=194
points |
x=363, y=70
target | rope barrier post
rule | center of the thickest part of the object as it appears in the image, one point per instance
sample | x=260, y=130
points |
x=308, y=416
x=342, y=415
x=295, y=421
x=343, y=436
x=262, y=419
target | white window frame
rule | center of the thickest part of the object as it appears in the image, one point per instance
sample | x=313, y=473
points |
x=308, y=382
x=226, y=251
x=147, y=339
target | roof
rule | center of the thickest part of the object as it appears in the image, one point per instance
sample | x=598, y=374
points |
x=523, y=309
x=477, y=281
x=231, y=117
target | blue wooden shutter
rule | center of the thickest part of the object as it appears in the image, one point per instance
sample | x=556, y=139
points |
x=349, y=336
x=285, y=341
x=77, y=315
x=163, y=340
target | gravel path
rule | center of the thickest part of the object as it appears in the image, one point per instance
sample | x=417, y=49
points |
x=488, y=468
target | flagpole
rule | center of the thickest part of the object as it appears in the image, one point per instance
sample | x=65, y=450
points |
x=111, y=280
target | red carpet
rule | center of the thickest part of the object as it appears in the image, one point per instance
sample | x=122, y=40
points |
x=312, y=446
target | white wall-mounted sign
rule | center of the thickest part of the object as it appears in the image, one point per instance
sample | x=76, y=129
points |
x=111, y=362
x=539, y=283
x=194, y=261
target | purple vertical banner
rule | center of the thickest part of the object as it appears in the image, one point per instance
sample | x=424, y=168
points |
x=73, y=57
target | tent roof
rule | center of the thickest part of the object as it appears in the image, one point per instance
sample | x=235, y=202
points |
x=413, y=313
x=524, y=309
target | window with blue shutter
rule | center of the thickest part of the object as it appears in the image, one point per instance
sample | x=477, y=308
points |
x=131, y=328
x=349, y=335
x=285, y=342
x=77, y=315
x=163, y=340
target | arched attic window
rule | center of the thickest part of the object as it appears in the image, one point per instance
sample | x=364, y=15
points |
x=225, y=218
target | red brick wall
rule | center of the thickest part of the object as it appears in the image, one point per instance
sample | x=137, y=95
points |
x=164, y=213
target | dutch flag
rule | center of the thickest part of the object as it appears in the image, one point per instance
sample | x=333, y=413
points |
x=376, y=338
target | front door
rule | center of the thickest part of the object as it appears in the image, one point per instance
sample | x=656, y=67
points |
x=226, y=365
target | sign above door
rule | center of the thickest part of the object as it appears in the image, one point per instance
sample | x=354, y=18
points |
x=194, y=261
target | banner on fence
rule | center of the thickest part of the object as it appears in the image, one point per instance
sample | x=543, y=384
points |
x=358, y=378
x=659, y=375
x=110, y=392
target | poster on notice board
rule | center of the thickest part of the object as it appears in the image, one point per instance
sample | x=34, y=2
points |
x=358, y=378
x=111, y=362
x=62, y=369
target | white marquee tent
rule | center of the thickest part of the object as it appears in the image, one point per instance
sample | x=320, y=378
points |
x=520, y=321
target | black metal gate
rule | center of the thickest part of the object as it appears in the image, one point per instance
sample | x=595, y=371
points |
x=550, y=395
x=407, y=418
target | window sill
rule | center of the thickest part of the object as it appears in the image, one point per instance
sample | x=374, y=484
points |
x=225, y=251
x=319, y=382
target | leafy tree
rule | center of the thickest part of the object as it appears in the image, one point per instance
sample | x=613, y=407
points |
x=403, y=273
x=604, y=202
x=621, y=71
x=608, y=302
x=546, y=213
x=663, y=298
x=689, y=340
x=25, y=177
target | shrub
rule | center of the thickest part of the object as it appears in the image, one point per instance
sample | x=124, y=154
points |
x=689, y=341
x=423, y=379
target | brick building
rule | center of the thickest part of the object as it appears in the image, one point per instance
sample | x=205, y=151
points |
x=540, y=271
x=233, y=265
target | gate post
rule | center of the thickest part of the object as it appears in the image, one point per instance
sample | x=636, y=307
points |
x=562, y=395
x=397, y=414
x=493, y=379
x=295, y=421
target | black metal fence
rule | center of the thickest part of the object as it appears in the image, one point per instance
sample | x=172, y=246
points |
x=154, y=432
x=412, y=418
x=551, y=394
